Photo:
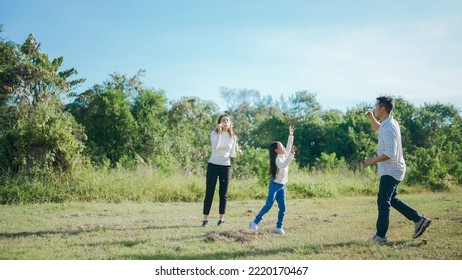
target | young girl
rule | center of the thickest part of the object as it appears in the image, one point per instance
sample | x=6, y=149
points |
x=280, y=159
x=224, y=147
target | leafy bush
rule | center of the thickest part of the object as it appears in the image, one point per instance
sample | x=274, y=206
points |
x=307, y=191
x=46, y=137
x=329, y=162
x=426, y=168
x=252, y=162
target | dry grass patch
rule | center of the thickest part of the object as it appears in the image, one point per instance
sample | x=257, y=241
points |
x=240, y=236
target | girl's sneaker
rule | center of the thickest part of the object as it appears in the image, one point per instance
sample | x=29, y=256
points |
x=253, y=226
x=221, y=223
x=279, y=231
x=205, y=223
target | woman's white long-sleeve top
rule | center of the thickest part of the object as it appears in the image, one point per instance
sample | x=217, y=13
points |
x=224, y=147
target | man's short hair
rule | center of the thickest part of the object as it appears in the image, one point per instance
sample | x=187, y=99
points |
x=386, y=101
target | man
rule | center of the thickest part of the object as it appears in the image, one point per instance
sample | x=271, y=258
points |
x=391, y=169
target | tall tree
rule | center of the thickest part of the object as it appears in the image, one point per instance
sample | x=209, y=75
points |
x=190, y=121
x=304, y=106
x=33, y=122
x=30, y=76
x=110, y=127
x=150, y=112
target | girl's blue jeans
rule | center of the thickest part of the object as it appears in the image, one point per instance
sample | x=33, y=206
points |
x=276, y=192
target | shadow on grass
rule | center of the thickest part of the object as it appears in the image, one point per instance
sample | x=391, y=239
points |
x=407, y=243
x=211, y=256
x=244, y=237
x=307, y=251
x=76, y=230
x=42, y=233
x=401, y=243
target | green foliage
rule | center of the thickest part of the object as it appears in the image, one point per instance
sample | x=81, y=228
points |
x=28, y=76
x=434, y=154
x=253, y=162
x=122, y=125
x=406, y=115
x=190, y=122
x=308, y=191
x=244, y=120
x=110, y=127
x=34, y=186
x=165, y=163
x=355, y=139
x=272, y=129
x=34, y=129
x=150, y=112
x=308, y=137
x=304, y=106
x=45, y=136
x=426, y=167
x=146, y=183
x=8, y=58
x=329, y=162
x=11, y=157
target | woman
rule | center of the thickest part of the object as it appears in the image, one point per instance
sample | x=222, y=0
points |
x=224, y=146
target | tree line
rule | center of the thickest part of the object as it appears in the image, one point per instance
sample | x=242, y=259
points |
x=122, y=122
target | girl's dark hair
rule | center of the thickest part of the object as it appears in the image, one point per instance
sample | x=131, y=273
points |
x=230, y=130
x=272, y=159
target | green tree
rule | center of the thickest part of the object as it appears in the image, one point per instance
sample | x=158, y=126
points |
x=328, y=161
x=310, y=140
x=275, y=128
x=436, y=151
x=31, y=110
x=190, y=121
x=150, y=112
x=107, y=113
x=358, y=139
x=44, y=136
x=110, y=127
x=304, y=106
x=30, y=76
x=406, y=114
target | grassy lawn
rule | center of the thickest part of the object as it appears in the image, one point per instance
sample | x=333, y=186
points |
x=316, y=229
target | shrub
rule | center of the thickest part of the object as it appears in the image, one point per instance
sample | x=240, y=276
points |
x=425, y=167
x=329, y=162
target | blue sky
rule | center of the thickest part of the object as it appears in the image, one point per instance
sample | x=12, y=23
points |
x=346, y=52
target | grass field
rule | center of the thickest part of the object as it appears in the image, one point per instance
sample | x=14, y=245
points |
x=321, y=229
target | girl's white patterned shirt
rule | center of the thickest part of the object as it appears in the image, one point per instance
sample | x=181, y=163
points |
x=283, y=161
